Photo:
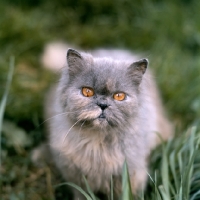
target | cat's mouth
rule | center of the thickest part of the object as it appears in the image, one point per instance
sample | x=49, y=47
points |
x=96, y=119
x=102, y=116
x=101, y=121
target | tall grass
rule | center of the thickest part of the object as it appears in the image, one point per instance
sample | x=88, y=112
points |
x=178, y=170
x=176, y=177
x=4, y=98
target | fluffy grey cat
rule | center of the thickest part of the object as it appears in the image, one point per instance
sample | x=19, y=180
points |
x=103, y=112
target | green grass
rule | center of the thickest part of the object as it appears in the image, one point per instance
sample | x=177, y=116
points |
x=179, y=167
x=166, y=31
x=175, y=176
x=4, y=98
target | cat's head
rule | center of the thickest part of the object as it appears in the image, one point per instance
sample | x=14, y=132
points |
x=100, y=92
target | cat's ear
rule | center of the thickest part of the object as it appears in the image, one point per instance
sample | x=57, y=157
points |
x=74, y=61
x=137, y=69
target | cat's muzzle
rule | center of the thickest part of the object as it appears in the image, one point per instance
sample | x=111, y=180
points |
x=102, y=115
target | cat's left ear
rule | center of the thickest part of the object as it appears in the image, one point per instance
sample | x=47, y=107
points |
x=74, y=61
x=137, y=69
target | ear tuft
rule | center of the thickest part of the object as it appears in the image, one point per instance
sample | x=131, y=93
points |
x=75, y=62
x=137, y=69
x=73, y=53
x=141, y=65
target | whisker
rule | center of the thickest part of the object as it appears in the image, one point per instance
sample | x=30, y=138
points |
x=65, y=113
x=81, y=126
x=70, y=129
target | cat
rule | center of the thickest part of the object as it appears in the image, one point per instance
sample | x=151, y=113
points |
x=105, y=110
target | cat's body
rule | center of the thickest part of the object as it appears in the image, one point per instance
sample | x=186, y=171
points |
x=93, y=134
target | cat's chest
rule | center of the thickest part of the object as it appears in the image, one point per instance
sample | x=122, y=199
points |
x=93, y=156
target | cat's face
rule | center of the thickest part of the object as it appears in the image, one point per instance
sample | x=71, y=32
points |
x=101, y=93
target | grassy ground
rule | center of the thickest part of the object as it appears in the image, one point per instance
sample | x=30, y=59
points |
x=169, y=34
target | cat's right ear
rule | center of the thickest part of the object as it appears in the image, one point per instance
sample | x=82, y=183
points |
x=74, y=61
x=137, y=69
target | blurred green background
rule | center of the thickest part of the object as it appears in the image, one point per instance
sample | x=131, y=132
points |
x=167, y=31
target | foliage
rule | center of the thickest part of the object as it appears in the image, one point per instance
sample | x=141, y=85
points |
x=165, y=31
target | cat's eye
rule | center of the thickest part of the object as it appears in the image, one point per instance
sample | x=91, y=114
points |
x=87, y=92
x=120, y=96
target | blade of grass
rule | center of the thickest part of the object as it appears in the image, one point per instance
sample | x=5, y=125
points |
x=111, y=188
x=187, y=175
x=126, y=185
x=76, y=187
x=157, y=192
x=163, y=192
x=195, y=195
x=173, y=170
x=165, y=172
x=89, y=189
x=5, y=95
x=180, y=192
x=180, y=161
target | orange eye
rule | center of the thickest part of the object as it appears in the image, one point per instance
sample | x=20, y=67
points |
x=87, y=92
x=119, y=96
